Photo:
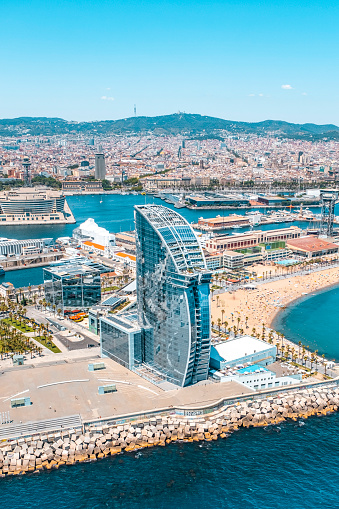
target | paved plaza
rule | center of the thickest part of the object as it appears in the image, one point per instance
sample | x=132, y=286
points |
x=75, y=390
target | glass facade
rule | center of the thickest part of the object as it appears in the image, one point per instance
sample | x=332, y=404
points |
x=120, y=339
x=73, y=285
x=173, y=296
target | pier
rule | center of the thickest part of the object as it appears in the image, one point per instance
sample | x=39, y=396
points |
x=27, y=262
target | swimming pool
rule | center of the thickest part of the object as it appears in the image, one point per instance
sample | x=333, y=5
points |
x=252, y=369
x=286, y=263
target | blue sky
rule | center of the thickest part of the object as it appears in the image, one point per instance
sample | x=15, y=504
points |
x=92, y=60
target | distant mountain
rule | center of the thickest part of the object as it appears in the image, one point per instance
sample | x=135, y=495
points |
x=183, y=123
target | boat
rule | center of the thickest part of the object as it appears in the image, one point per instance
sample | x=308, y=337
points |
x=2, y=272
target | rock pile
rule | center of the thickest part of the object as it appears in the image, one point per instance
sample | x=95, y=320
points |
x=47, y=451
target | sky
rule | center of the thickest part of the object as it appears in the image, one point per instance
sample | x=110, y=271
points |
x=246, y=60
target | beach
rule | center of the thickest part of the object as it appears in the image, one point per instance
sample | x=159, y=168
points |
x=248, y=309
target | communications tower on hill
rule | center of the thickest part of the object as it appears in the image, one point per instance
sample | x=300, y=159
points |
x=328, y=199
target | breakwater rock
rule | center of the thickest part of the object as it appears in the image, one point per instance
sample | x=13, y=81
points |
x=48, y=451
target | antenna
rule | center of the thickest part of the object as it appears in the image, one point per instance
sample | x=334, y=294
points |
x=135, y=110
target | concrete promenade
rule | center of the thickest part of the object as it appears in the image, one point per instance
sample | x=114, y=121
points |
x=134, y=394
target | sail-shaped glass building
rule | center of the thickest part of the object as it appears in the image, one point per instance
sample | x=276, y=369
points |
x=172, y=295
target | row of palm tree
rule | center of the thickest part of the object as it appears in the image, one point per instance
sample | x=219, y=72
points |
x=284, y=349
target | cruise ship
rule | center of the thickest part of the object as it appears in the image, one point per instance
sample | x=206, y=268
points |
x=34, y=206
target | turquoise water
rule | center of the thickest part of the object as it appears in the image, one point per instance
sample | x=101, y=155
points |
x=313, y=320
x=292, y=466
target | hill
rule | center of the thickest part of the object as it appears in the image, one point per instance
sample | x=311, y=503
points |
x=178, y=123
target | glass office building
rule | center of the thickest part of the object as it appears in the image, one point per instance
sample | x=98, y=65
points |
x=120, y=339
x=74, y=284
x=172, y=295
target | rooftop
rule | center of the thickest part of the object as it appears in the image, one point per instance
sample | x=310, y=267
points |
x=75, y=267
x=254, y=368
x=93, y=244
x=238, y=348
x=177, y=234
x=311, y=243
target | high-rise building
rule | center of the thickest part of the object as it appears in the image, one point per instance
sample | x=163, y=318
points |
x=73, y=284
x=172, y=295
x=27, y=171
x=100, y=169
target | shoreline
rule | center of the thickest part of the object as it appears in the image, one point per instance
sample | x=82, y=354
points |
x=300, y=299
x=269, y=299
x=259, y=312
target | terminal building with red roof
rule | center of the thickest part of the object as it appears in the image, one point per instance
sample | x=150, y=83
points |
x=312, y=246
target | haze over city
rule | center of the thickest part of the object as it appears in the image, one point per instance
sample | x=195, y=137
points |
x=245, y=61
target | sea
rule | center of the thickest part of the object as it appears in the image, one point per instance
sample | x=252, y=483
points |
x=290, y=466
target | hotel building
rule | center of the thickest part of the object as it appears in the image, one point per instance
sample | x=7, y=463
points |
x=172, y=321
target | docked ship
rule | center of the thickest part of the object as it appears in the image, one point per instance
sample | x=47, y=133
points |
x=34, y=206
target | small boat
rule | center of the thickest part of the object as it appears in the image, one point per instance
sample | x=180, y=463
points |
x=2, y=272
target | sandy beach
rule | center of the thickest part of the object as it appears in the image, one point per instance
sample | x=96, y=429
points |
x=261, y=305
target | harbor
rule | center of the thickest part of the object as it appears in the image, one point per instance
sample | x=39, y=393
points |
x=255, y=218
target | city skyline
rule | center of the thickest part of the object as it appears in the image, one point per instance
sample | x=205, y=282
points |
x=96, y=60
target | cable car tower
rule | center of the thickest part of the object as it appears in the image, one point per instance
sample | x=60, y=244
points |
x=328, y=198
x=27, y=171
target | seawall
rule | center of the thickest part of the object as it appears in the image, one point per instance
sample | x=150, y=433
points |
x=43, y=451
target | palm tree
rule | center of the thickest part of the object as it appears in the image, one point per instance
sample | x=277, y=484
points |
x=282, y=350
x=325, y=367
x=219, y=324
x=299, y=345
x=312, y=360
x=222, y=314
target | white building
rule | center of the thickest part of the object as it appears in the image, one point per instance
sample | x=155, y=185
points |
x=257, y=377
x=90, y=231
x=242, y=350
